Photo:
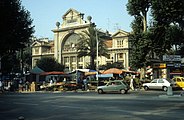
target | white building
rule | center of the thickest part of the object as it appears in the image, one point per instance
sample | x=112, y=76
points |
x=66, y=34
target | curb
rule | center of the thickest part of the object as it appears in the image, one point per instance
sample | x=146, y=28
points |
x=170, y=96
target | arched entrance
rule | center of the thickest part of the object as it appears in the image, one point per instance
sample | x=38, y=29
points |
x=69, y=51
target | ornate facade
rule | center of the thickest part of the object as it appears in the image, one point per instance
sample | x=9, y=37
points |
x=66, y=34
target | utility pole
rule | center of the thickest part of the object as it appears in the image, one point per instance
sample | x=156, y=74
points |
x=96, y=55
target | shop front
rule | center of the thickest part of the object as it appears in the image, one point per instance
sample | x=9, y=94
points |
x=175, y=70
x=159, y=70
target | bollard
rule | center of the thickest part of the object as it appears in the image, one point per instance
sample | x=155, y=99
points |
x=169, y=91
x=21, y=118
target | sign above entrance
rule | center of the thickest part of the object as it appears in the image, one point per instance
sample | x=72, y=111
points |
x=159, y=65
x=174, y=58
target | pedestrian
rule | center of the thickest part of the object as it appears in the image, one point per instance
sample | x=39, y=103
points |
x=51, y=82
x=85, y=82
x=132, y=83
x=27, y=85
x=33, y=86
x=1, y=86
x=20, y=85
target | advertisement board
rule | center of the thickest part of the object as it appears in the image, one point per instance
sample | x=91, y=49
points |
x=172, y=58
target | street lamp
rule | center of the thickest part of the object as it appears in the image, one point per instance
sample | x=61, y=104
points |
x=96, y=55
x=57, y=56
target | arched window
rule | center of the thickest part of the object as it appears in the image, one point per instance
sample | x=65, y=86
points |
x=71, y=43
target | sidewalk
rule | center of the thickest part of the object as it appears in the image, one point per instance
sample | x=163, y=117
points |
x=79, y=90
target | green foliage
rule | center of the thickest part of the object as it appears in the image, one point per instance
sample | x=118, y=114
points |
x=140, y=43
x=168, y=25
x=49, y=64
x=15, y=33
x=27, y=56
x=87, y=45
x=166, y=12
x=141, y=50
x=118, y=65
x=138, y=7
x=10, y=63
x=16, y=29
x=164, y=33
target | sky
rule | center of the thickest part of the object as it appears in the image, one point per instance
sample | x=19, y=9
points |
x=108, y=15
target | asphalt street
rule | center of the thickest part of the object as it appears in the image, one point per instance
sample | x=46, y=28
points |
x=136, y=105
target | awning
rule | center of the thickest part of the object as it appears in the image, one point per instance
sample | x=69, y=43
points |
x=36, y=70
x=104, y=75
x=53, y=73
x=82, y=70
x=89, y=73
x=113, y=71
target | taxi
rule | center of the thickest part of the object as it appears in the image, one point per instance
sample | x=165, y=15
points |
x=179, y=81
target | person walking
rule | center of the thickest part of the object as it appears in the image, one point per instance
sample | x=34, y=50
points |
x=132, y=83
x=1, y=86
x=85, y=82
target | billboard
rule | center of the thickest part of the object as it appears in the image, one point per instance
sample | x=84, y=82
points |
x=172, y=58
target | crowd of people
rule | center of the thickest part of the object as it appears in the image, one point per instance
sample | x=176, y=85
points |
x=16, y=85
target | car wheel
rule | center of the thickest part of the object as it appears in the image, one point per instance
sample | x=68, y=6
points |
x=165, y=88
x=146, y=88
x=100, y=91
x=122, y=91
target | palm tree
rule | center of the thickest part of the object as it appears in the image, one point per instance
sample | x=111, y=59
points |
x=87, y=45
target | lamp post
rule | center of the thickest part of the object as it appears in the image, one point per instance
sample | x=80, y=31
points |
x=96, y=55
x=57, y=56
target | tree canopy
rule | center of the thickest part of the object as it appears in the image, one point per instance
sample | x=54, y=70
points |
x=164, y=31
x=48, y=64
x=15, y=26
x=168, y=23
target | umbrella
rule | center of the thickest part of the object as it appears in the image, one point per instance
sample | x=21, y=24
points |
x=113, y=71
x=36, y=70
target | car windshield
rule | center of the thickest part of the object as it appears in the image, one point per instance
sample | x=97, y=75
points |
x=154, y=81
x=125, y=83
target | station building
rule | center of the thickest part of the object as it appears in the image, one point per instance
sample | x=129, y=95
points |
x=63, y=46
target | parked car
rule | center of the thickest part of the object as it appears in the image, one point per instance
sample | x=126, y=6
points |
x=114, y=86
x=160, y=83
x=179, y=81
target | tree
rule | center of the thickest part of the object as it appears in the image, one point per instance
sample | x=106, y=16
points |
x=118, y=65
x=165, y=30
x=139, y=37
x=24, y=56
x=139, y=9
x=87, y=45
x=15, y=27
x=48, y=64
x=168, y=18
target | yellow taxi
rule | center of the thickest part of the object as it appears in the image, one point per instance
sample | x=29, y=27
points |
x=179, y=81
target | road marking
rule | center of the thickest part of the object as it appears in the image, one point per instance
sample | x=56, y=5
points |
x=64, y=106
x=24, y=103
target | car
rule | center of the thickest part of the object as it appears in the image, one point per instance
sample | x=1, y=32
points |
x=160, y=84
x=179, y=81
x=118, y=86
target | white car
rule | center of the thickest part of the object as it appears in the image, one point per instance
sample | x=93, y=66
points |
x=161, y=84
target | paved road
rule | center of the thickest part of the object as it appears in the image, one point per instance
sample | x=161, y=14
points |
x=137, y=105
